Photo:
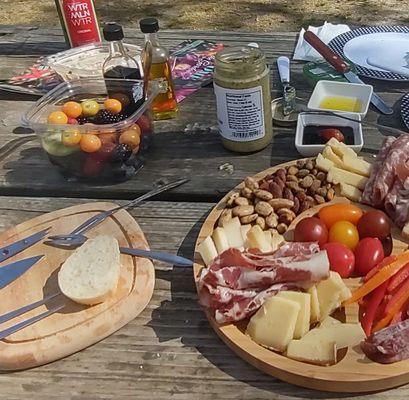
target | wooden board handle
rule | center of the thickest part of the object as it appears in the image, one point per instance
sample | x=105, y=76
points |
x=336, y=61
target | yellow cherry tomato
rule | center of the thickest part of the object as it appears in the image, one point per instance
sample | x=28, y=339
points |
x=339, y=212
x=130, y=137
x=72, y=109
x=57, y=117
x=113, y=105
x=344, y=232
x=71, y=137
x=136, y=128
x=90, y=143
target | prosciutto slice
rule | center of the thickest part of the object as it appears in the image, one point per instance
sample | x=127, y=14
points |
x=389, y=344
x=237, y=283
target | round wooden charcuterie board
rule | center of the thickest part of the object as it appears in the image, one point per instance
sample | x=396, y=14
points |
x=354, y=372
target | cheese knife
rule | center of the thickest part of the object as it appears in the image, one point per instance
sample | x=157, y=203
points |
x=12, y=271
x=283, y=65
x=343, y=67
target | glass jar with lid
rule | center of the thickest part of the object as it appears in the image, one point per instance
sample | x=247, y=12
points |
x=241, y=83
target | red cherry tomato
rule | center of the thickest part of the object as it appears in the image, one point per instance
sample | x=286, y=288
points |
x=387, y=244
x=374, y=223
x=341, y=258
x=340, y=212
x=344, y=232
x=311, y=229
x=368, y=254
x=329, y=133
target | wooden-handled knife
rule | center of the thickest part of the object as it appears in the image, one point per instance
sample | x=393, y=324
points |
x=343, y=67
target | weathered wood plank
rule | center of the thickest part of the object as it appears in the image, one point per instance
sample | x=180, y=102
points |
x=169, y=351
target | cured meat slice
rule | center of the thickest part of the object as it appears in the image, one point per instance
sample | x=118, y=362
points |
x=285, y=269
x=367, y=196
x=389, y=344
x=397, y=202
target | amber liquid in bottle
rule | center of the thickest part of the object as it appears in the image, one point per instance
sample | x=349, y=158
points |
x=165, y=105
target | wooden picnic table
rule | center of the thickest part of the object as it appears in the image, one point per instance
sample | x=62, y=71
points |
x=169, y=351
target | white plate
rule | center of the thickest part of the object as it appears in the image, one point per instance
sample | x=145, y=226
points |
x=391, y=48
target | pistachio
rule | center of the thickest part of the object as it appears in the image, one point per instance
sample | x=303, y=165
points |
x=242, y=211
x=321, y=176
x=303, y=172
x=263, y=208
x=281, y=228
x=292, y=170
x=261, y=222
x=309, y=165
x=251, y=183
x=272, y=220
x=322, y=191
x=241, y=201
x=307, y=181
x=316, y=184
x=314, y=171
x=225, y=217
x=263, y=194
x=301, y=163
x=248, y=219
x=277, y=204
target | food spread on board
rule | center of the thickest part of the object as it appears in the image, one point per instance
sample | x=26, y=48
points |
x=298, y=244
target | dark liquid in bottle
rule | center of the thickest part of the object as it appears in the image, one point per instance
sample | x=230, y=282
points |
x=129, y=93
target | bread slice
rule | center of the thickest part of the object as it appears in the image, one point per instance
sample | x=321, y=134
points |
x=90, y=275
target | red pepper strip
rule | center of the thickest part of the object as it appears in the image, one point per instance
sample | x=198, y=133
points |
x=373, y=305
x=380, y=277
x=394, y=305
x=396, y=318
x=396, y=280
x=383, y=263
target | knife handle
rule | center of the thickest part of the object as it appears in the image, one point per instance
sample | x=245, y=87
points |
x=283, y=65
x=334, y=59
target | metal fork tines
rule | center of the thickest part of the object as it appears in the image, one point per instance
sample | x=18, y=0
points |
x=27, y=322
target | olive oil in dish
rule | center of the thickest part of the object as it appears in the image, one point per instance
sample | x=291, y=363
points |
x=341, y=103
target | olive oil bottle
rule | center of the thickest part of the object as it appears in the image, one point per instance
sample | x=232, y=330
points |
x=165, y=105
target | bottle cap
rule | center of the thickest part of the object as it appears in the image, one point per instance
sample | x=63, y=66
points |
x=113, y=31
x=149, y=25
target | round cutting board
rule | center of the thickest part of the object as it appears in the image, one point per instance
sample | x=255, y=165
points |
x=75, y=326
x=353, y=373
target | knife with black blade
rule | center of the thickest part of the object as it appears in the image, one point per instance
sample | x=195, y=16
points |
x=344, y=68
x=15, y=248
x=12, y=271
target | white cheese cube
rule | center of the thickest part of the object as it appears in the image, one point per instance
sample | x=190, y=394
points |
x=244, y=230
x=315, y=305
x=257, y=239
x=207, y=250
x=220, y=240
x=340, y=148
x=273, y=325
x=350, y=192
x=355, y=164
x=303, y=321
x=233, y=233
x=320, y=353
x=323, y=163
x=337, y=175
x=329, y=321
x=330, y=155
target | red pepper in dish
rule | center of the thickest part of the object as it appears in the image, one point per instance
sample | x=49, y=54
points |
x=386, y=261
x=401, y=276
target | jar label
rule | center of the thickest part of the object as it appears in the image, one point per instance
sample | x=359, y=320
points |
x=240, y=113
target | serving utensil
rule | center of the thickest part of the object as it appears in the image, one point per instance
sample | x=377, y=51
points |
x=79, y=239
x=343, y=67
x=10, y=272
x=289, y=93
x=102, y=216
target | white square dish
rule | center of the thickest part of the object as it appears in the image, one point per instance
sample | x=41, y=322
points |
x=311, y=150
x=325, y=89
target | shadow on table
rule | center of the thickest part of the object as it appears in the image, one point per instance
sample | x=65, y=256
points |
x=194, y=330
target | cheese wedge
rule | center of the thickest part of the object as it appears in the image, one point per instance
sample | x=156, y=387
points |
x=323, y=163
x=336, y=175
x=207, y=250
x=315, y=305
x=257, y=239
x=276, y=240
x=357, y=165
x=244, y=230
x=344, y=335
x=329, y=321
x=321, y=352
x=220, y=240
x=233, y=233
x=330, y=155
x=273, y=325
x=303, y=320
x=340, y=149
x=350, y=192
x=331, y=293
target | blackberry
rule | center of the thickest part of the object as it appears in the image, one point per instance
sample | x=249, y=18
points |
x=107, y=117
x=122, y=152
x=84, y=120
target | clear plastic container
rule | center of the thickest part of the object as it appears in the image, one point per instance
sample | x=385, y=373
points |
x=66, y=145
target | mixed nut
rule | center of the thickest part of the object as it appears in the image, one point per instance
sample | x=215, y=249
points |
x=275, y=201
